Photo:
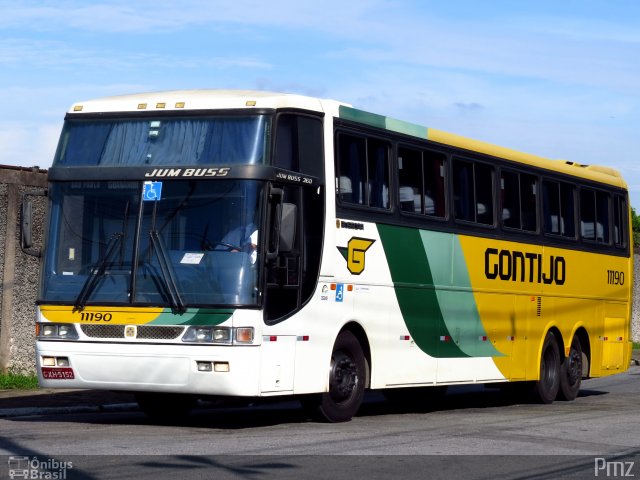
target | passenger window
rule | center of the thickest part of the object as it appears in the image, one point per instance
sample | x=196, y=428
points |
x=473, y=191
x=559, y=209
x=619, y=221
x=422, y=181
x=594, y=215
x=518, y=199
x=362, y=171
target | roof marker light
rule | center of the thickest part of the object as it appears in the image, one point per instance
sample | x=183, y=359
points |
x=142, y=106
x=179, y=104
x=250, y=103
x=77, y=108
x=161, y=105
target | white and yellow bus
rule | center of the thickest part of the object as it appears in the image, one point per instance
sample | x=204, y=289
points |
x=254, y=244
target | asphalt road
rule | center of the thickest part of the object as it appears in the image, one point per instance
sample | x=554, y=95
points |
x=473, y=433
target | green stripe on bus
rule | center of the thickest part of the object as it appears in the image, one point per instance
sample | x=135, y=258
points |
x=414, y=289
x=455, y=296
x=381, y=121
x=194, y=316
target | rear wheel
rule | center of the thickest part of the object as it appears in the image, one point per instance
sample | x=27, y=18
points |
x=546, y=388
x=165, y=406
x=571, y=372
x=347, y=374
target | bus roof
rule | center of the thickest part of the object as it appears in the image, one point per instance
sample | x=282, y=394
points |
x=596, y=173
x=179, y=100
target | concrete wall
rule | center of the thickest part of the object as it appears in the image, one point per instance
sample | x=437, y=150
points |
x=19, y=272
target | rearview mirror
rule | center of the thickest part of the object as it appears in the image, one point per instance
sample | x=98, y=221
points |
x=26, y=223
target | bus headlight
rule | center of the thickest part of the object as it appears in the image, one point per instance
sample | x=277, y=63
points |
x=56, y=331
x=219, y=335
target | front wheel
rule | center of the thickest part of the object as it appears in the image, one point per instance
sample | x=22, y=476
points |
x=571, y=372
x=546, y=388
x=347, y=373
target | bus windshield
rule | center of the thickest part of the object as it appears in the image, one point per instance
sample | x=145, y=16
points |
x=219, y=140
x=174, y=243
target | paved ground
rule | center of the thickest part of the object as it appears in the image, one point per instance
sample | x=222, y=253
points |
x=25, y=402
x=54, y=398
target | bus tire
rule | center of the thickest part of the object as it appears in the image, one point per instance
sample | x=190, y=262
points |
x=165, y=406
x=571, y=372
x=347, y=376
x=546, y=388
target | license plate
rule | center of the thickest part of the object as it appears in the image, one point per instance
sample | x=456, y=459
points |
x=64, y=373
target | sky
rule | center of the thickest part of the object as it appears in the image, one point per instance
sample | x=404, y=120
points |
x=559, y=79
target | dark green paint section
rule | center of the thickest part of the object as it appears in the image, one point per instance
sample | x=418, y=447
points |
x=344, y=251
x=194, y=316
x=381, y=121
x=414, y=288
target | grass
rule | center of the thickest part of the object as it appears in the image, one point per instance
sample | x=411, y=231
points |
x=17, y=381
x=636, y=346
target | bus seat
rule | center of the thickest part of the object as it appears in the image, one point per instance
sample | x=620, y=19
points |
x=345, y=192
x=557, y=225
x=407, y=201
x=429, y=205
x=592, y=231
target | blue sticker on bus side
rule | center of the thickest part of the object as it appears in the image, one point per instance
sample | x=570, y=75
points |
x=152, y=191
x=339, y=292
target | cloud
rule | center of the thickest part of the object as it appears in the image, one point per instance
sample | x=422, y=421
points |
x=28, y=144
x=149, y=16
x=55, y=54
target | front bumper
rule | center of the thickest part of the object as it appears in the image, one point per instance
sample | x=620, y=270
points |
x=152, y=367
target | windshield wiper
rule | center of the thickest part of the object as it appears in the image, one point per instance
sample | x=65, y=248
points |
x=167, y=272
x=97, y=271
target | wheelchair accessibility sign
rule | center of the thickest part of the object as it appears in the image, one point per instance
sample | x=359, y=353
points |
x=339, y=292
x=151, y=191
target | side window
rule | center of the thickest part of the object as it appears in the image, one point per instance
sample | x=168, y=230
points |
x=422, y=181
x=362, y=171
x=558, y=208
x=518, y=194
x=299, y=144
x=619, y=221
x=594, y=215
x=473, y=191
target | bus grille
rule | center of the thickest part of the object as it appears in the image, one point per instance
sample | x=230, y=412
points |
x=145, y=332
x=153, y=332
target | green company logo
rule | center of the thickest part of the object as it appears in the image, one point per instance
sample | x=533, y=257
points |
x=354, y=253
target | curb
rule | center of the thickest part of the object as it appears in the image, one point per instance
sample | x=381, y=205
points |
x=30, y=411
